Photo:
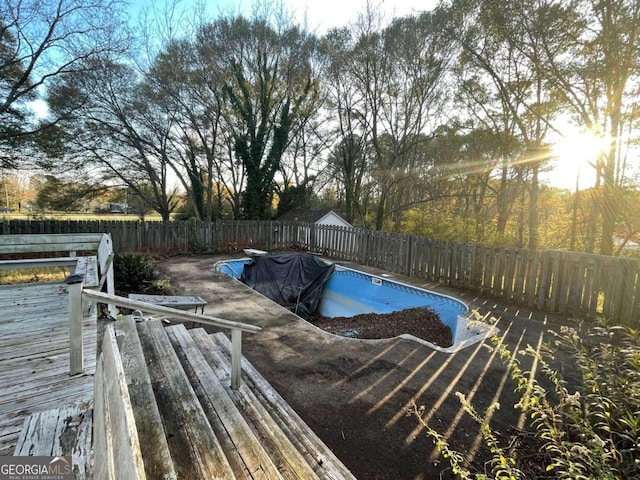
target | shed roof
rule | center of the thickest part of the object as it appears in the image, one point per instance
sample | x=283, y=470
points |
x=307, y=215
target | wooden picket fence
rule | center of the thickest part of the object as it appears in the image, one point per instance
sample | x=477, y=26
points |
x=570, y=283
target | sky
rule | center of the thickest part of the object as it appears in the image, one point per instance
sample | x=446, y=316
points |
x=325, y=14
x=320, y=14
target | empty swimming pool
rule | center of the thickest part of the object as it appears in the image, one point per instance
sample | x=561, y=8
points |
x=350, y=292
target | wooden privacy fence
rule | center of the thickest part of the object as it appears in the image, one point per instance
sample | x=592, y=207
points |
x=127, y=235
x=555, y=281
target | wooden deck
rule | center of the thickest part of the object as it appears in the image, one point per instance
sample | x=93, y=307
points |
x=34, y=356
x=165, y=407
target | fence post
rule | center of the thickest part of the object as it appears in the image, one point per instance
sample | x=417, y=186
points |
x=76, y=353
x=236, y=357
x=409, y=255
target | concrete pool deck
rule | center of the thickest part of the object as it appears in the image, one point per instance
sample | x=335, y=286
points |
x=355, y=394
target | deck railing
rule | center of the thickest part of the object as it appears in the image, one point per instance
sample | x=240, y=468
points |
x=77, y=294
x=88, y=253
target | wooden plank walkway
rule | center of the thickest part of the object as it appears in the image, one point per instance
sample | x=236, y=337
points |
x=34, y=356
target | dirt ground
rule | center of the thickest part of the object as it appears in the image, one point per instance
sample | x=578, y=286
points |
x=356, y=394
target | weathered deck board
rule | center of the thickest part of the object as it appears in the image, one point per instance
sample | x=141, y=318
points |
x=194, y=448
x=34, y=295
x=153, y=443
x=251, y=460
x=273, y=436
x=261, y=399
x=34, y=359
x=61, y=431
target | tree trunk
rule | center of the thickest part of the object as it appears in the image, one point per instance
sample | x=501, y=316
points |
x=503, y=202
x=380, y=211
x=533, y=208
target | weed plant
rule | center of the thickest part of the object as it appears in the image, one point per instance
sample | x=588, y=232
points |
x=135, y=273
x=591, y=431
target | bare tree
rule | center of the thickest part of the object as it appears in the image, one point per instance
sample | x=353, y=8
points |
x=186, y=89
x=112, y=128
x=347, y=161
x=269, y=88
x=418, y=56
x=502, y=86
x=44, y=40
x=387, y=87
x=597, y=77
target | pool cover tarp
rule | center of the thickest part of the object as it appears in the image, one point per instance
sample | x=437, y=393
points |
x=294, y=280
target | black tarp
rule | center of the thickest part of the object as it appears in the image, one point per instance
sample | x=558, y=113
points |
x=294, y=280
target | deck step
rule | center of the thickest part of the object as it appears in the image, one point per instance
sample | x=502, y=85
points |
x=64, y=431
x=243, y=449
x=318, y=456
x=169, y=412
x=283, y=448
x=153, y=443
x=195, y=450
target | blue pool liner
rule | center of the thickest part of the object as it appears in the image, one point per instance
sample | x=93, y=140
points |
x=350, y=292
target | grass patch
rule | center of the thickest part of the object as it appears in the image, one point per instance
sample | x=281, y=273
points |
x=153, y=217
x=33, y=275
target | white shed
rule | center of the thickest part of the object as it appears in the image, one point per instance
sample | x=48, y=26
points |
x=319, y=217
x=626, y=245
x=325, y=217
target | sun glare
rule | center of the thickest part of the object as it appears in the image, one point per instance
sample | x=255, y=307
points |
x=575, y=157
x=40, y=108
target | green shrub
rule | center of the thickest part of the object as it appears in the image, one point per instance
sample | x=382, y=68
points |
x=592, y=433
x=135, y=273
